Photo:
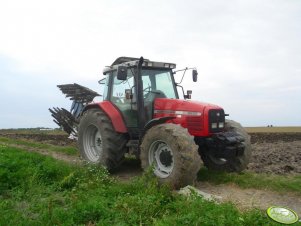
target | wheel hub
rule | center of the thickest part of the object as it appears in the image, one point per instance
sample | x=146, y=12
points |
x=161, y=157
x=92, y=142
x=98, y=141
x=165, y=158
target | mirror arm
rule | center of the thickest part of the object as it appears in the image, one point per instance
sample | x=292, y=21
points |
x=184, y=96
x=185, y=69
x=102, y=81
x=183, y=76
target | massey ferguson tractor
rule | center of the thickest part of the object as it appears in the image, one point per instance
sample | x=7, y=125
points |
x=141, y=114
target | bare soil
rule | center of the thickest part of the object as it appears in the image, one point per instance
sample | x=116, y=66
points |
x=54, y=139
x=250, y=198
x=276, y=158
x=276, y=153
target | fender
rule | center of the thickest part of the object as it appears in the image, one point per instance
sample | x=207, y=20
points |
x=114, y=115
x=154, y=122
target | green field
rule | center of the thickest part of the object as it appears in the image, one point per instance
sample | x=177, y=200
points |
x=279, y=129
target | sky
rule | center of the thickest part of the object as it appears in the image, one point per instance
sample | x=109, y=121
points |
x=247, y=52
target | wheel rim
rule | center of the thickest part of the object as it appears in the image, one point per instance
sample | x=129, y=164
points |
x=161, y=157
x=92, y=142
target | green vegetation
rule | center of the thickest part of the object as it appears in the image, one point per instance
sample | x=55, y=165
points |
x=69, y=150
x=251, y=180
x=38, y=190
x=39, y=130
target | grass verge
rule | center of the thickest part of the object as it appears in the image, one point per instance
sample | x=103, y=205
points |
x=277, y=183
x=69, y=150
x=33, y=131
x=38, y=190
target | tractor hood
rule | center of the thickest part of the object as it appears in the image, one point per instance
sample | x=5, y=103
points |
x=201, y=119
x=170, y=105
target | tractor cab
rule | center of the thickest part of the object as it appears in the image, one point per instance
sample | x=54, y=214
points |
x=121, y=81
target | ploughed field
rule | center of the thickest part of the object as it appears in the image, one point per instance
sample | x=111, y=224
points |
x=272, y=151
x=278, y=153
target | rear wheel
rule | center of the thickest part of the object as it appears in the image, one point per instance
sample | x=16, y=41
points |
x=172, y=153
x=98, y=141
x=237, y=163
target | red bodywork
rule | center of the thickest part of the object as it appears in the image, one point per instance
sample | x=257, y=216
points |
x=192, y=115
x=112, y=113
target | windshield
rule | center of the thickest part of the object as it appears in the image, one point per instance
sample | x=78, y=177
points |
x=158, y=80
x=154, y=81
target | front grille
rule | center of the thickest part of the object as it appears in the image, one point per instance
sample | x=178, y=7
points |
x=216, y=116
x=195, y=123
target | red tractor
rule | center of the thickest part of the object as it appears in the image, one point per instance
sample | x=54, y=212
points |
x=141, y=114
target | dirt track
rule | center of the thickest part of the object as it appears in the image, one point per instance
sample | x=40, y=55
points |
x=276, y=153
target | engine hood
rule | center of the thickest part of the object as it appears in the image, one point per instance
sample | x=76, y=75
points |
x=196, y=116
x=182, y=105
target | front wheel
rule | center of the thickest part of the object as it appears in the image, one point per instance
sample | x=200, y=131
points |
x=172, y=153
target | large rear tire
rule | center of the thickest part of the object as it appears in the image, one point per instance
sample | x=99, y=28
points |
x=235, y=164
x=98, y=141
x=172, y=153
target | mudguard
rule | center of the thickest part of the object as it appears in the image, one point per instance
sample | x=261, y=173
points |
x=112, y=113
x=154, y=122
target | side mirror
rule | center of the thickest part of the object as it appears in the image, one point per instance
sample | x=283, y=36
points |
x=194, y=75
x=121, y=72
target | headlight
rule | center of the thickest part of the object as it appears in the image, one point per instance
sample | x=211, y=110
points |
x=214, y=125
x=221, y=125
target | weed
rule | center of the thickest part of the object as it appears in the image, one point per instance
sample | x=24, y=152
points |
x=38, y=190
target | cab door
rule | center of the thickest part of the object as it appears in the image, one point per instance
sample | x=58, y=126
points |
x=127, y=106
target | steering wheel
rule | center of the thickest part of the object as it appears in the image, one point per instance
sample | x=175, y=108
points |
x=151, y=95
x=146, y=95
x=117, y=100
